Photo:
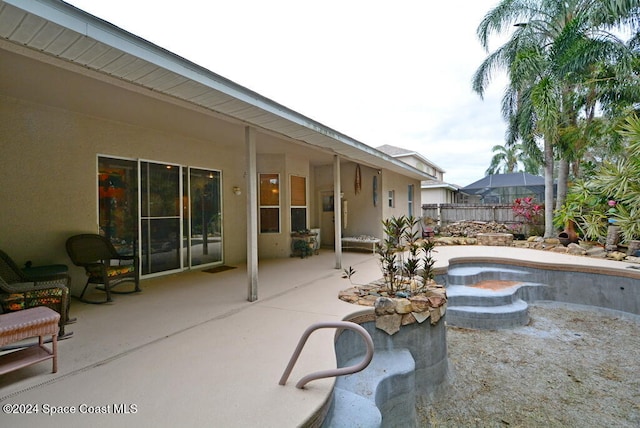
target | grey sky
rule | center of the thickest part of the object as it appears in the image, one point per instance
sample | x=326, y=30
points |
x=394, y=73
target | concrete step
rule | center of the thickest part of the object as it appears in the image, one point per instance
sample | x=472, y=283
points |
x=462, y=295
x=388, y=383
x=352, y=410
x=467, y=275
x=511, y=315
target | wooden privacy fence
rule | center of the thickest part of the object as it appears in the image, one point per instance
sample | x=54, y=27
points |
x=446, y=214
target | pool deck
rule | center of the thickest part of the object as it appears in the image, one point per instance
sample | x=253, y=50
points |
x=190, y=350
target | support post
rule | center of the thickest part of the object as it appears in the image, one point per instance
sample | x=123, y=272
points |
x=252, y=213
x=337, y=211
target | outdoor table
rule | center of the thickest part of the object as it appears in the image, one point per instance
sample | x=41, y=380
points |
x=39, y=272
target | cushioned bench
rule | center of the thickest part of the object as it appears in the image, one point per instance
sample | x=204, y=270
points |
x=16, y=326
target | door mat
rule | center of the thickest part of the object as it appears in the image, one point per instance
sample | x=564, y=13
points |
x=219, y=269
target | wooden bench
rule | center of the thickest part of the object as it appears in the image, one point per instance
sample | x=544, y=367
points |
x=15, y=326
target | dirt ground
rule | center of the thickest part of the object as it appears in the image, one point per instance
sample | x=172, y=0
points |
x=572, y=366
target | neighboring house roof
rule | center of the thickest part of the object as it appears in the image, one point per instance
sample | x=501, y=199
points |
x=516, y=179
x=63, y=31
x=507, y=180
x=400, y=152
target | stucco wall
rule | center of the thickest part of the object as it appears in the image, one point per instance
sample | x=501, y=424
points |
x=49, y=165
x=363, y=218
x=399, y=183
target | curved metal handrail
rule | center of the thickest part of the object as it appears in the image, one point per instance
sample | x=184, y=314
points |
x=331, y=372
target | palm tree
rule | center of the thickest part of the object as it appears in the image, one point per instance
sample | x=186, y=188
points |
x=504, y=160
x=550, y=59
x=508, y=158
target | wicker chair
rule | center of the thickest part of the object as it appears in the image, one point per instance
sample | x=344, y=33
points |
x=18, y=291
x=97, y=256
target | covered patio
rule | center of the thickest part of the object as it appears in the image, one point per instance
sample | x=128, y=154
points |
x=105, y=132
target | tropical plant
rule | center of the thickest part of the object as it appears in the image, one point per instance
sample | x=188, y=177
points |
x=555, y=53
x=611, y=194
x=404, y=256
x=528, y=212
x=348, y=273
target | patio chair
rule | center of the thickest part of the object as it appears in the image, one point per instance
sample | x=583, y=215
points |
x=103, y=265
x=18, y=291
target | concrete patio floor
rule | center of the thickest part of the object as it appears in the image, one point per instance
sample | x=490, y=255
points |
x=190, y=350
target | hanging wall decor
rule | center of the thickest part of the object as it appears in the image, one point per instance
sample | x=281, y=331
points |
x=375, y=190
x=358, y=180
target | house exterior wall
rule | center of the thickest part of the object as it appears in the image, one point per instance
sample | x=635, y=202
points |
x=399, y=184
x=277, y=245
x=58, y=119
x=438, y=196
x=363, y=218
x=49, y=183
x=419, y=164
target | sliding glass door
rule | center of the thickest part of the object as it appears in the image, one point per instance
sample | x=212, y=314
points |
x=118, y=203
x=160, y=206
x=168, y=214
x=203, y=224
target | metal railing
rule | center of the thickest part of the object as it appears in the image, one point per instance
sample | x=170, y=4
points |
x=331, y=372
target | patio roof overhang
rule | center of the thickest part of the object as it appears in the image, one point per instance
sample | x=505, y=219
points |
x=62, y=31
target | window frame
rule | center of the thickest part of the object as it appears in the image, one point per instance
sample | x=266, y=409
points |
x=266, y=207
x=304, y=207
x=410, y=198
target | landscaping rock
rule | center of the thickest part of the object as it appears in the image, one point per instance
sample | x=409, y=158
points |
x=436, y=301
x=390, y=324
x=385, y=306
x=632, y=259
x=616, y=255
x=419, y=303
x=408, y=319
x=403, y=306
x=472, y=228
x=421, y=316
x=495, y=239
x=597, y=252
x=576, y=250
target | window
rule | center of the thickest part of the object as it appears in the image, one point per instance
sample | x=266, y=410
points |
x=410, y=199
x=298, y=203
x=269, y=203
x=392, y=198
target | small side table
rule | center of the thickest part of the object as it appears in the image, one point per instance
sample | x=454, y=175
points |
x=38, y=272
x=304, y=244
x=15, y=326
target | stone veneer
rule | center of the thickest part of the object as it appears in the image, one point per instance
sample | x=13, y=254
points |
x=495, y=239
x=392, y=312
